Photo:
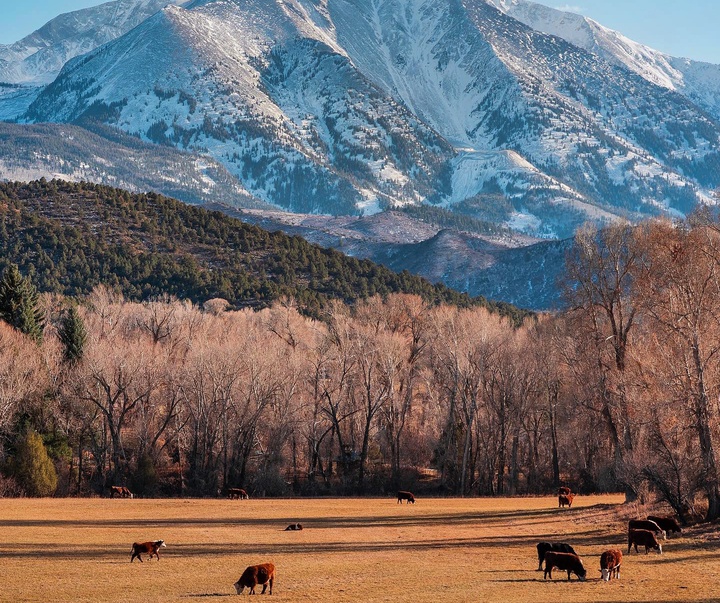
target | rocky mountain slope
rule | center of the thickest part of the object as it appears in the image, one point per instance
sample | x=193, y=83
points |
x=345, y=106
x=70, y=152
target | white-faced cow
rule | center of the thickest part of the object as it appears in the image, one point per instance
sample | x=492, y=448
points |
x=666, y=523
x=152, y=548
x=647, y=524
x=294, y=526
x=610, y=564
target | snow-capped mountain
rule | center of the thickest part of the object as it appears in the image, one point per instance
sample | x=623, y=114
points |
x=344, y=106
x=697, y=80
x=38, y=58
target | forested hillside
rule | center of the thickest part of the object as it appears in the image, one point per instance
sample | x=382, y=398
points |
x=71, y=237
x=618, y=392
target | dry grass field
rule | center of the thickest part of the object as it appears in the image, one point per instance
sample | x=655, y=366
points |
x=369, y=550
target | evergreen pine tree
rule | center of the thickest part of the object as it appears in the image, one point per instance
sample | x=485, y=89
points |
x=20, y=304
x=73, y=336
x=32, y=467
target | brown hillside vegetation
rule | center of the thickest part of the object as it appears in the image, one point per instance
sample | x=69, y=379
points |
x=351, y=550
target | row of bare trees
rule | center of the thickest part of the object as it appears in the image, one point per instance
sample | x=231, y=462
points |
x=619, y=391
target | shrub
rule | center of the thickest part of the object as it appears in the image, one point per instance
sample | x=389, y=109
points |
x=32, y=468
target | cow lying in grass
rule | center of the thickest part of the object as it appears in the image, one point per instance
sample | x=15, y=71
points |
x=256, y=574
x=568, y=562
x=152, y=548
x=405, y=495
x=610, y=564
x=644, y=538
x=558, y=547
x=294, y=526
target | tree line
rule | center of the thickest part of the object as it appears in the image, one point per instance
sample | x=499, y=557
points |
x=618, y=392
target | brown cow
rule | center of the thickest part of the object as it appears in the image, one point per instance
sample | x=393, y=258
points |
x=565, y=499
x=564, y=561
x=121, y=491
x=294, y=526
x=610, y=564
x=647, y=524
x=644, y=538
x=564, y=490
x=153, y=548
x=666, y=523
x=256, y=574
x=405, y=495
x=237, y=493
x=558, y=547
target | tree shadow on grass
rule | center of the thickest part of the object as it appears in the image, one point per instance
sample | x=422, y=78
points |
x=293, y=547
x=384, y=521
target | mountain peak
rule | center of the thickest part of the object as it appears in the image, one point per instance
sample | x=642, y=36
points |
x=501, y=109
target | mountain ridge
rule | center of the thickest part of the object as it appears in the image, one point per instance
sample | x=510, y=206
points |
x=314, y=111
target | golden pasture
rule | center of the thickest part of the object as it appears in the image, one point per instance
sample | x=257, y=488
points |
x=369, y=550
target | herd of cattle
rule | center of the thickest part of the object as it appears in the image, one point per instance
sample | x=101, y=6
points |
x=555, y=555
x=643, y=532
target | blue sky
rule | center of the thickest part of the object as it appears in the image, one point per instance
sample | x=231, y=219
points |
x=686, y=28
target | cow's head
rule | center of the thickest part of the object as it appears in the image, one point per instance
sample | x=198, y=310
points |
x=605, y=574
x=659, y=549
x=239, y=587
x=581, y=574
x=159, y=543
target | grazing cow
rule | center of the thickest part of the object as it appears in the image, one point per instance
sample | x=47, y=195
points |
x=565, y=499
x=646, y=524
x=294, y=526
x=644, y=538
x=121, y=491
x=564, y=490
x=558, y=547
x=237, y=493
x=666, y=523
x=152, y=548
x=610, y=564
x=405, y=495
x=256, y=574
x=564, y=561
